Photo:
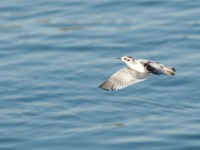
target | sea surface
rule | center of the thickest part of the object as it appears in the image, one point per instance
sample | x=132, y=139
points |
x=55, y=53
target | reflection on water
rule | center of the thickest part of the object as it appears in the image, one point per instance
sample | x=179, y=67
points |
x=115, y=125
x=10, y=27
x=72, y=29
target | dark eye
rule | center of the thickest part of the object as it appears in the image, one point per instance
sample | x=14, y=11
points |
x=124, y=58
x=128, y=59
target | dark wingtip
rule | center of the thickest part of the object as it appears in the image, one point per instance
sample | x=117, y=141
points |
x=105, y=89
x=101, y=87
x=171, y=71
x=174, y=69
x=173, y=74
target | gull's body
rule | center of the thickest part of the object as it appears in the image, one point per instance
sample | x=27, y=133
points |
x=138, y=70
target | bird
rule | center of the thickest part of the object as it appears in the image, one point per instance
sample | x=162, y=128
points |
x=137, y=70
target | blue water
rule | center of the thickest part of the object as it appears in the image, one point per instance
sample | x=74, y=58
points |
x=55, y=53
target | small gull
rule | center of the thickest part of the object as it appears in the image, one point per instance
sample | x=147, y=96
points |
x=138, y=70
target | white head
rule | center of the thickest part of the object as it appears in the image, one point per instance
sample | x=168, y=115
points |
x=132, y=63
x=127, y=60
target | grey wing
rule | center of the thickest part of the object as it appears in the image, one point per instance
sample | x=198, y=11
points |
x=123, y=78
x=157, y=68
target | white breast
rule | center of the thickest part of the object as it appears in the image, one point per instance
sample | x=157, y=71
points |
x=137, y=66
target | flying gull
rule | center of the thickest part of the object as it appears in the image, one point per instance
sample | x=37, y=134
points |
x=138, y=70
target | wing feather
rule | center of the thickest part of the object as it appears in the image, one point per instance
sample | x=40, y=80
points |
x=157, y=68
x=123, y=78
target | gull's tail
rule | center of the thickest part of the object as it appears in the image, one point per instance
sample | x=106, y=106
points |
x=170, y=70
x=160, y=69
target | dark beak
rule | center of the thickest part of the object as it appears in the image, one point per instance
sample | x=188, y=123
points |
x=118, y=58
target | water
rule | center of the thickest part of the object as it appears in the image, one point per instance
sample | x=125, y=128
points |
x=54, y=54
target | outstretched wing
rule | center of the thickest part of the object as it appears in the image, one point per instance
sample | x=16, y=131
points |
x=123, y=78
x=157, y=68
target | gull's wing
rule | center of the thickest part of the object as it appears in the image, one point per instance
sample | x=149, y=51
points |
x=123, y=78
x=157, y=68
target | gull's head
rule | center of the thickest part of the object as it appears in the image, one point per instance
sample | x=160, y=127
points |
x=132, y=63
x=127, y=59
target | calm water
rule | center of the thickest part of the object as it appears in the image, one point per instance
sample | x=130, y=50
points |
x=55, y=53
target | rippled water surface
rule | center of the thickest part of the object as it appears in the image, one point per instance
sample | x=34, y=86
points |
x=55, y=53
